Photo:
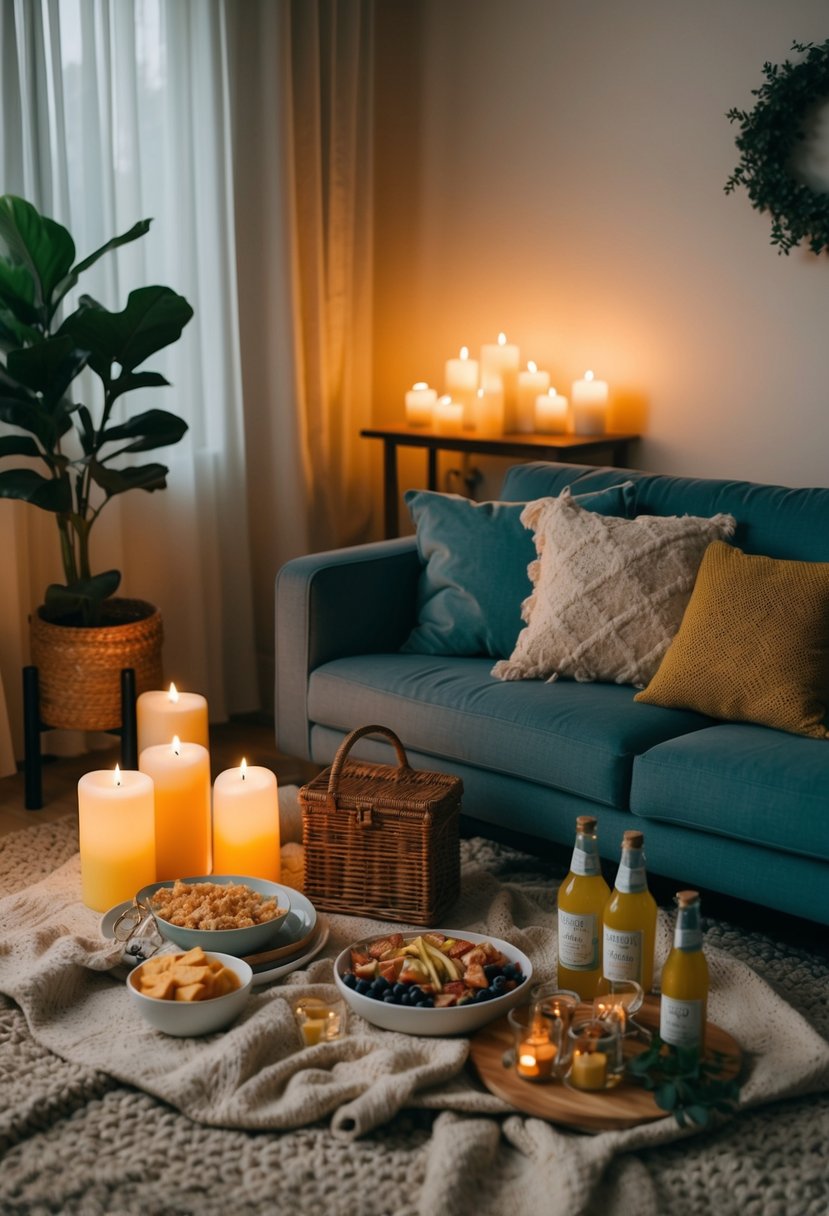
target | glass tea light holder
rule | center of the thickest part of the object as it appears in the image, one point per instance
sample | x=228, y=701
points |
x=536, y=1053
x=618, y=1001
x=318, y=1020
x=596, y=1061
x=557, y=1007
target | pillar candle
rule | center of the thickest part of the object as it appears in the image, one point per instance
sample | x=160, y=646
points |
x=181, y=775
x=489, y=412
x=117, y=836
x=551, y=411
x=246, y=823
x=461, y=383
x=536, y=1058
x=164, y=714
x=420, y=404
x=499, y=363
x=448, y=416
x=589, y=1070
x=589, y=405
x=531, y=384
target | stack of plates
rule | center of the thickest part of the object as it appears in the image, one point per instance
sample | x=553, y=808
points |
x=298, y=939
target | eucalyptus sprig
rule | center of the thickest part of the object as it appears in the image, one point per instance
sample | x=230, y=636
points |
x=684, y=1082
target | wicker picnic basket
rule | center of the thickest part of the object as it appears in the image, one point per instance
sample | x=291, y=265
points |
x=380, y=840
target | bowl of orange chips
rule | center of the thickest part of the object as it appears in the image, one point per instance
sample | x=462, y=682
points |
x=190, y=993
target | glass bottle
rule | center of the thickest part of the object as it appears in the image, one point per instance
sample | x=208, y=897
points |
x=581, y=899
x=629, y=919
x=684, y=1003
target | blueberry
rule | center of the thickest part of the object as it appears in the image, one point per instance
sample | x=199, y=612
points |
x=405, y=999
x=399, y=989
x=416, y=992
x=511, y=972
x=491, y=970
x=483, y=994
x=389, y=998
x=381, y=983
x=350, y=979
x=499, y=983
x=362, y=986
x=424, y=1003
x=466, y=999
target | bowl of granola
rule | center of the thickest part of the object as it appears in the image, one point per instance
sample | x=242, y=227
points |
x=230, y=913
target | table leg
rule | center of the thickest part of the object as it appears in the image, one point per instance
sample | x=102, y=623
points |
x=129, y=729
x=33, y=782
x=390, y=488
x=432, y=467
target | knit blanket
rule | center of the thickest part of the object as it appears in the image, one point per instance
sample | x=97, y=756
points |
x=100, y=1114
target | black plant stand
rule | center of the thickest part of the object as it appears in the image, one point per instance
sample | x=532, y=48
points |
x=32, y=728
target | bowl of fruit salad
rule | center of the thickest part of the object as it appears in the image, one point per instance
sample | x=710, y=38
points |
x=434, y=982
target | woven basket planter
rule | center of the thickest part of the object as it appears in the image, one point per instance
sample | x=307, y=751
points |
x=79, y=670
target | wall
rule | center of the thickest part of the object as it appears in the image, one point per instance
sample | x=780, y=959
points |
x=555, y=170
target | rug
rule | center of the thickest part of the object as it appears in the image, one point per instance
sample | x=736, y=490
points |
x=76, y=1139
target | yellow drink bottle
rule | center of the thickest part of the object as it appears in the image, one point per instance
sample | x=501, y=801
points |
x=581, y=898
x=684, y=1003
x=629, y=919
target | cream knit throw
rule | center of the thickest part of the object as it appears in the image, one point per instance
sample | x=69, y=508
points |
x=70, y=1125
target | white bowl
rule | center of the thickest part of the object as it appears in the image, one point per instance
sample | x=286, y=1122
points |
x=230, y=941
x=457, y=1019
x=185, y=1018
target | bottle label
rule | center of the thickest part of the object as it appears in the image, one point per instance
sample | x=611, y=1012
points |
x=688, y=939
x=630, y=881
x=622, y=954
x=680, y=1022
x=585, y=864
x=578, y=941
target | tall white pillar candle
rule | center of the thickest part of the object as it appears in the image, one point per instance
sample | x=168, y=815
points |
x=551, y=413
x=160, y=715
x=448, y=416
x=181, y=776
x=531, y=384
x=246, y=823
x=589, y=405
x=116, y=828
x=499, y=362
x=461, y=383
x=420, y=404
x=489, y=412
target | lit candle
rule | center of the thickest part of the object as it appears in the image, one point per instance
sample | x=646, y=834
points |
x=161, y=715
x=181, y=775
x=551, y=411
x=246, y=823
x=489, y=411
x=448, y=416
x=461, y=383
x=420, y=404
x=589, y=1070
x=117, y=836
x=531, y=384
x=589, y=405
x=499, y=365
x=536, y=1057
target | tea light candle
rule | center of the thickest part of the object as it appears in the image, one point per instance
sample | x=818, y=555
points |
x=117, y=836
x=246, y=823
x=181, y=776
x=420, y=404
x=499, y=365
x=589, y=1070
x=319, y=1021
x=551, y=413
x=536, y=1057
x=589, y=405
x=489, y=411
x=448, y=416
x=161, y=715
x=531, y=384
x=461, y=383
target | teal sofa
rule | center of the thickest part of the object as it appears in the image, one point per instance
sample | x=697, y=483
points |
x=735, y=808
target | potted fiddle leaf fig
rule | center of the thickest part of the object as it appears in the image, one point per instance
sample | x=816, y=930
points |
x=77, y=455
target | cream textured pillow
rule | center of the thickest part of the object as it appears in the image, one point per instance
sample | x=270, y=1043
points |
x=609, y=593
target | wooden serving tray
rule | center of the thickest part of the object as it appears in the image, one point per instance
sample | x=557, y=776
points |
x=609, y=1110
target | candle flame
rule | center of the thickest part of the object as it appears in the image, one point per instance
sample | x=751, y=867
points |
x=527, y=1060
x=176, y=745
x=421, y=384
x=243, y=768
x=531, y=366
x=464, y=352
x=588, y=375
x=552, y=392
x=445, y=400
x=480, y=392
x=117, y=774
x=172, y=695
x=502, y=339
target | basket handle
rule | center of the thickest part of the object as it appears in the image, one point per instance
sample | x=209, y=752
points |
x=346, y=746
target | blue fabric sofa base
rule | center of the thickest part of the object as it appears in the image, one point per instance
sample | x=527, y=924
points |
x=734, y=808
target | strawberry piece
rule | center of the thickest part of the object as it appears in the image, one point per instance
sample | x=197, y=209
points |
x=474, y=976
x=386, y=945
x=390, y=968
x=477, y=955
x=435, y=939
x=460, y=948
x=366, y=971
x=358, y=957
x=457, y=987
x=444, y=999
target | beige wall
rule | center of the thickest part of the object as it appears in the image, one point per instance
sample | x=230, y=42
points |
x=556, y=170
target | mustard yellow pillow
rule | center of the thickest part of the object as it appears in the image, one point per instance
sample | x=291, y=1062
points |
x=753, y=645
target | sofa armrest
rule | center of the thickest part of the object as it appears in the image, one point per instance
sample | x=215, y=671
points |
x=359, y=600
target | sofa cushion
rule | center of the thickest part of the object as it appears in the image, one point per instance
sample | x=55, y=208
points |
x=474, y=579
x=608, y=594
x=580, y=738
x=746, y=782
x=753, y=645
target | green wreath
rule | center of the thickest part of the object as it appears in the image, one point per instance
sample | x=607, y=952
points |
x=770, y=135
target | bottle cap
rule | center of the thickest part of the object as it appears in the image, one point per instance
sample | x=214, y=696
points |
x=685, y=898
x=633, y=840
x=586, y=823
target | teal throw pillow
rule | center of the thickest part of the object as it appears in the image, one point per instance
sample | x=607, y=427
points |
x=474, y=578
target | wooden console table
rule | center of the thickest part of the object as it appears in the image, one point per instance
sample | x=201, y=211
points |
x=528, y=447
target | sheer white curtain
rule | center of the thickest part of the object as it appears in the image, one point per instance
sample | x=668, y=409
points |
x=115, y=110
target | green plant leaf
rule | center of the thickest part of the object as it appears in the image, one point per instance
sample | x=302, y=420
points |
x=118, y=481
x=153, y=318
x=48, y=493
x=18, y=445
x=84, y=596
x=665, y=1096
x=128, y=381
x=48, y=367
x=153, y=429
x=39, y=244
x=17, y=292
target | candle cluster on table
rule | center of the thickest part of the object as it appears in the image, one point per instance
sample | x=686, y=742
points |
x=492, y=396
x=164, y=821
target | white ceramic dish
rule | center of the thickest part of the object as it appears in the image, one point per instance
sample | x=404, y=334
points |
x=228, y=941
x=458, y=1019
x=264, y=974
x=188, y=1018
